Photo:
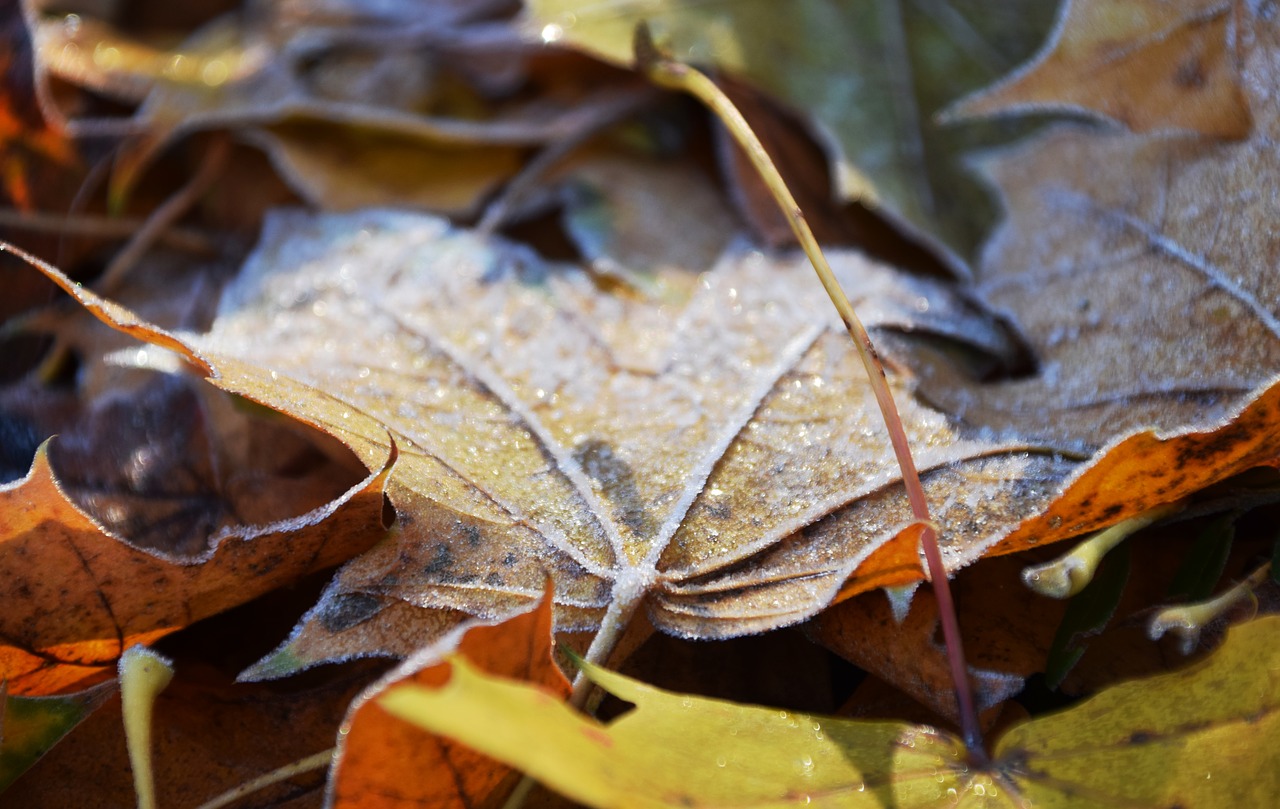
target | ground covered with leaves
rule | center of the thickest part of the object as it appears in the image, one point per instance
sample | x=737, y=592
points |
x=411, y=404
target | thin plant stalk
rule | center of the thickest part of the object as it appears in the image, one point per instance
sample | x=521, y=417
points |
x=318, y=761
x=678, y=76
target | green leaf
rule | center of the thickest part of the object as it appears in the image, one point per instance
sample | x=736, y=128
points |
x=870, y=76
x=31, y=726
x=1203, y=565
x=1202, y=737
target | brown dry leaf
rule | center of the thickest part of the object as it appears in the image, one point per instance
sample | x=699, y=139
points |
x=652, y=222
x=1148, y=64
x=694, y=478
x=173, y=465
x=357, y=105
x=78, y=596
x=383, y=761
x=340, y=168
x=1139, y=268
x=1007, y=630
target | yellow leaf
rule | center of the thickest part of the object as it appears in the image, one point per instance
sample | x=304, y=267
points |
x=30, y=726
x=1202, y=737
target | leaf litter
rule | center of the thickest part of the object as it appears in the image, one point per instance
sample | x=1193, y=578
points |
x=866, y=76
x=686, y=485
x=1227, y=440
x=1170, y=740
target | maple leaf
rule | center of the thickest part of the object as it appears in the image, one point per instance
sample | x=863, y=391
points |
x=1130, y=263
x=1168, y=740
x=1148, y=65
x=696, y=480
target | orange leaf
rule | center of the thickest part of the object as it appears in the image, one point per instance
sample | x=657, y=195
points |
x=77, y=597
x=384, y=762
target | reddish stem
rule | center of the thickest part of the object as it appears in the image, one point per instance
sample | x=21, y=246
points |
x=678, y=76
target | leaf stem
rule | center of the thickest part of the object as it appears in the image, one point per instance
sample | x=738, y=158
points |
x=677, y=76
x=313, y=762
x=622, y=607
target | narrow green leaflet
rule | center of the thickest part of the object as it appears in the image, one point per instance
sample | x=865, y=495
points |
x=1206, y=736
x=1087, y=614
x=1200, y=571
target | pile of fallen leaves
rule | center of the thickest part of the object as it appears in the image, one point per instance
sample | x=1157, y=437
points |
x=412, y=360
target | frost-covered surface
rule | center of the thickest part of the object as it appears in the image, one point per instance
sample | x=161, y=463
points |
x=527, y=446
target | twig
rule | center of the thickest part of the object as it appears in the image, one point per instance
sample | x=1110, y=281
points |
x=496, y=213
x=678, y=76
x=315, y=762
x=164, y=216
x=103, y=227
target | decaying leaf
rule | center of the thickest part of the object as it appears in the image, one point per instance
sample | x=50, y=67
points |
x=619, y=213
x=77, y=597
x=383, y=761
x=1004, y=627
x=1173, y=740
x=342, y=97
x=341, y=168
x=695, y=480
x=1137, y=266
x=1139, y=269
x=680, y=474
x=1149, y=65
x=869, y=75
x=172, y=465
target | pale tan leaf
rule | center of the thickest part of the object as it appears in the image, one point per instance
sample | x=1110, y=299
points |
x=1148, y=64
x=526, y=446
x=1141, y=270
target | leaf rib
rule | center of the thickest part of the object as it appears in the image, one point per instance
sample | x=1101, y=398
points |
x=789, y=357
x=492, y=383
